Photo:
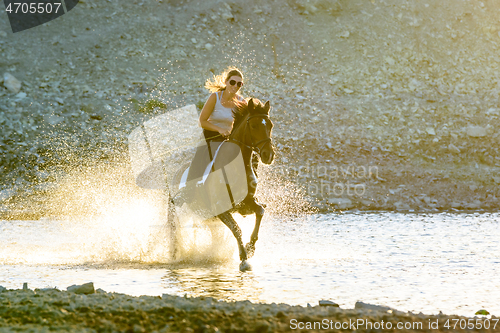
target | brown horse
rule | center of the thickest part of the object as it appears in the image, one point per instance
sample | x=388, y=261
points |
x=252, y=133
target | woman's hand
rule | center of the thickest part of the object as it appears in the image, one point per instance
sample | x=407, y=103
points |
x=225, y=133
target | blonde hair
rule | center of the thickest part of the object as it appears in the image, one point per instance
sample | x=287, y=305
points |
x=218, y=82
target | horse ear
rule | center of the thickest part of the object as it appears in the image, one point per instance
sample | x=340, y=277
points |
x=250, y=104
x=267, y=106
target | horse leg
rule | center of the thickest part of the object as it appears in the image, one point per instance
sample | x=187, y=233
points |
x=174, y=248
x=229, y=221
x=259, y=213
x=172, y=226
x=255, y=163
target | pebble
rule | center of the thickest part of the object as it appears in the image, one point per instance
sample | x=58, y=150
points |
x=11, y=83
x=430, y=131
x=453, y=148
x=345, y=34
x=402, y=206
x=476, y=131
x=20, y=96
x=341, y=203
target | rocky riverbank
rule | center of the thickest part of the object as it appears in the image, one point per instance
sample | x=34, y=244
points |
x=377, y=105
x=83, y=309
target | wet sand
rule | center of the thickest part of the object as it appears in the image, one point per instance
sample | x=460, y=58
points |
x=55, y=310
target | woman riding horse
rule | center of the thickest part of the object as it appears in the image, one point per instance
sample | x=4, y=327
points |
x=251, y=132
x=216, y=117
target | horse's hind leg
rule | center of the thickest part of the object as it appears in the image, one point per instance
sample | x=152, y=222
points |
x=259, y=213
x=172, y=227
x=229, y=221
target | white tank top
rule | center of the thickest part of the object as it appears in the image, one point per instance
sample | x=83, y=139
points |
x=222, y=116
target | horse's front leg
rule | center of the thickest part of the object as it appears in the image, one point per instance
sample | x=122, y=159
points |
x=229, y=221
x=259, y=213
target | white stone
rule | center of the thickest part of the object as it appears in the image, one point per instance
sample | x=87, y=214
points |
x=87, y=288
x=311, y=8
x=430, y=131
x=209, y=46
x=53, y=119
x=454, y=149
x=476, y=131
x=341, y=203
x=20, y=96
x=345, y=34
x=227, y=15
x=402, y=206
x=11, y=83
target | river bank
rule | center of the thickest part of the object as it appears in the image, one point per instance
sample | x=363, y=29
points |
x=84, y=309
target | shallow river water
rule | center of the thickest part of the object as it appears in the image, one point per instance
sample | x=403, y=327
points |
x=411, y=262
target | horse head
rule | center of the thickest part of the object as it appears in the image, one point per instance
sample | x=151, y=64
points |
x=253, y=129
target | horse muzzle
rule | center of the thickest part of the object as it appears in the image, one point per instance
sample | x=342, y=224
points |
x=267, y=154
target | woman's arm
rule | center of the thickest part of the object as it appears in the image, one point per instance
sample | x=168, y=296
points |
x=207, y=110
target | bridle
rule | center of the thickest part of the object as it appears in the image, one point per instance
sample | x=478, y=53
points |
x=254, y=146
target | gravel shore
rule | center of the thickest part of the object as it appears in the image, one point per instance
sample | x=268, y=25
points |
x=85, y=310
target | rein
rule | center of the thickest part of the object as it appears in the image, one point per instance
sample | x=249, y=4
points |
x=253, y=146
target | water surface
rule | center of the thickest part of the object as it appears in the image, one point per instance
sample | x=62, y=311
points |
x=412, y=262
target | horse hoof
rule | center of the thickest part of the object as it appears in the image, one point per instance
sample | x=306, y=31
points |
x=245, y=266
x=250, y=248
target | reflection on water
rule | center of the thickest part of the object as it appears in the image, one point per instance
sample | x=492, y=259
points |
x=226, y=283
x=427, y=263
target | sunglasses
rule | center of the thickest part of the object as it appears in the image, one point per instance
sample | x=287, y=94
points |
x=233, y=82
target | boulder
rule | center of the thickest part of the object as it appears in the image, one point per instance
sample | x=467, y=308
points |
x=87, y=288
x=367, y=306
x=328, y=303
x=482, y=312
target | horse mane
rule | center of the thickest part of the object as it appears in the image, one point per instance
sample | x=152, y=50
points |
x=241, y=110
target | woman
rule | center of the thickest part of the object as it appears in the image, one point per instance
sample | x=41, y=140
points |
x=216, y=118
